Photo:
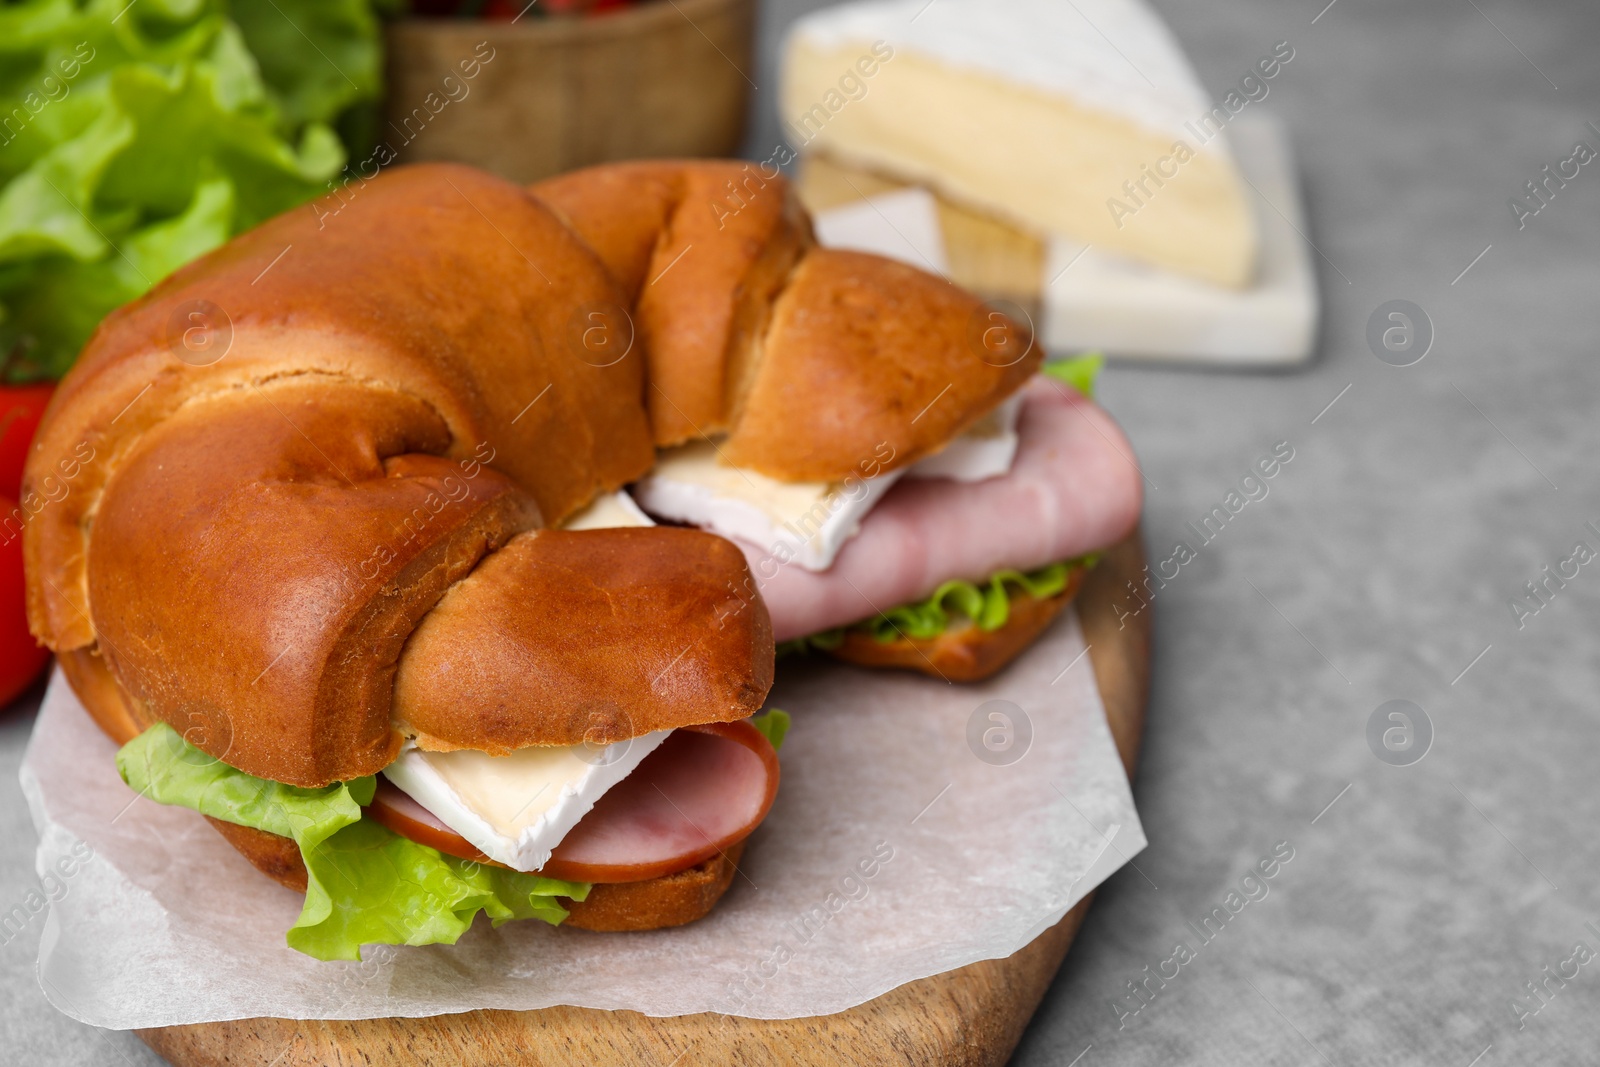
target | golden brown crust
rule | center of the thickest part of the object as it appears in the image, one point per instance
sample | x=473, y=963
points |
x=963, y=653
x=754, y=302
x=472, y=306
x=254, y=589
x=567, y=636
x=270, y=526
x=697, y=244
x=864, y=353
x=619, y=211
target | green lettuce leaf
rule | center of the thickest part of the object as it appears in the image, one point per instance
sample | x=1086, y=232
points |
x=954, y=603
x=1080, y=372
x=987, y=606
x=366, y=885
x=161, y=765
x=318, y=58
x=773, y=724
x=136, y=137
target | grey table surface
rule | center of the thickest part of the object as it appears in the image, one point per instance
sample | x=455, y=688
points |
x=1382, y=565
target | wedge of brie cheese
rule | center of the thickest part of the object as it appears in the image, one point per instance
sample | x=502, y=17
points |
x=984, y=451
x=1082, y=119
x=608, y=511
x=516, y=808
x=806, y=522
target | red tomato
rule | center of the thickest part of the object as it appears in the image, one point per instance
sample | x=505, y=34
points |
x=20, y=409
x=21, y=658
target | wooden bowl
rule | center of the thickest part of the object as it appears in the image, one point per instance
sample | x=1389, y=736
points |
x=541, y=96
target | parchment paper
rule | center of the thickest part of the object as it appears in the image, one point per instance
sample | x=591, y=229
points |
x=970, y=859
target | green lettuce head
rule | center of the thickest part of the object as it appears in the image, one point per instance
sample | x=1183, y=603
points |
x=135, y=137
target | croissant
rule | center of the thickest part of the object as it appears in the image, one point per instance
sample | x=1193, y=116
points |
x=302, y=501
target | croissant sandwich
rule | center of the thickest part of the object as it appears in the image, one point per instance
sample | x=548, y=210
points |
x=343, y=531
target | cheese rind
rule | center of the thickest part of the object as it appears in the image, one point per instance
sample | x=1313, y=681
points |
x=517, y=808
x=1035, y=111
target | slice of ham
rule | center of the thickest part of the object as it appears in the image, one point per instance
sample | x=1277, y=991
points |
x=1073, y=488
x=704, y=789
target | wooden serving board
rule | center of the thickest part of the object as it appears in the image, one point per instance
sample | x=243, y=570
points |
x=964, y=1018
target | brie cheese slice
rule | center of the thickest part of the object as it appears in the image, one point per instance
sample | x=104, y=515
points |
x=608, y=511
x=984, y=451
x=517, y=808
x=807, y=522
